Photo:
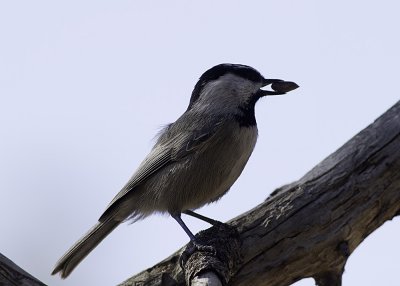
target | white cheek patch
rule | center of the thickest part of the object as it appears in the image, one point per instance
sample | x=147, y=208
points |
x=230, y=90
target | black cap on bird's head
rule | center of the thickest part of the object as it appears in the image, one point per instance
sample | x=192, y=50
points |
x=279, y=86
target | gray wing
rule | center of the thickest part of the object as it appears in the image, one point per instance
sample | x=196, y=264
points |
x=171, y=147
x=157, y=159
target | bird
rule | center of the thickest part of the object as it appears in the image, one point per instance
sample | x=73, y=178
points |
x=194, y=161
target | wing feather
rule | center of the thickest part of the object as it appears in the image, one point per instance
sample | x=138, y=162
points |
x=158, y=158
x=163, y=154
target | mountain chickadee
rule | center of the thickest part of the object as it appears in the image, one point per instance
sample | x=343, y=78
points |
x=195, y=160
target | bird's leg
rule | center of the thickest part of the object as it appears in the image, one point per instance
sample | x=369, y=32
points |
x=195, y=244
x=178, y=218
x=203, y=218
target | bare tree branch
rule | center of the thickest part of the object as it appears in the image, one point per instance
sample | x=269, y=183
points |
x=12, y=274
x=305, y=229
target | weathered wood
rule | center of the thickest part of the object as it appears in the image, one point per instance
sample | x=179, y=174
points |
x=310, y=227
x=12, y=274
x=221, y=256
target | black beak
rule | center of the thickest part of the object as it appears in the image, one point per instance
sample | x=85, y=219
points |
x=278, y=86
x=267, y=81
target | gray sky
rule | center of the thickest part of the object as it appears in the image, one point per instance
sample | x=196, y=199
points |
x=85, y=86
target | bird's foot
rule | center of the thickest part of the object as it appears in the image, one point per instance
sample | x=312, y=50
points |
x=195, y=246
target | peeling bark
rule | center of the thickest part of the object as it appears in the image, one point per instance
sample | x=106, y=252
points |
x=310, y=227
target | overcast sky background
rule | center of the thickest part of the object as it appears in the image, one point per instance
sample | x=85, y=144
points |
x=85, y=86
